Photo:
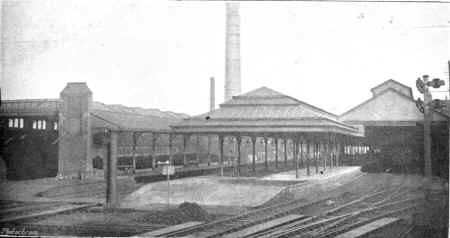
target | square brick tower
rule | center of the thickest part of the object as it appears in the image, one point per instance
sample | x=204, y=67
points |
x=75, y=131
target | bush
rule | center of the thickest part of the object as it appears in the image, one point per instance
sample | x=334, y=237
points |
x=370, y=167
x=183, y=213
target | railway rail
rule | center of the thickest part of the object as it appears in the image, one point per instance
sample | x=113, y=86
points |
x=14, y=212
x=359, y=211
x=111, y=230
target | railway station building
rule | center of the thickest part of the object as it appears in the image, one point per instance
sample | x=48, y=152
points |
x=393, y=128
x=54, y=136
x=57, y=137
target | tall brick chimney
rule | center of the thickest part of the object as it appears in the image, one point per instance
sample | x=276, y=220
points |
x=232, y=51
x=212, y=94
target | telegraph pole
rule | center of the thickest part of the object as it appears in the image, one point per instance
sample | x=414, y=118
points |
x=427, y=127
x=448, y=108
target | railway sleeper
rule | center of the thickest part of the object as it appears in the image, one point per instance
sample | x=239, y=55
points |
x=296, y=230
x=361, y=221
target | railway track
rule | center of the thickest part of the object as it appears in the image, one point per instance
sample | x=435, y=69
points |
x=95, y=189
x=330, y=226
x=14, y=212
x=111, y=230
x=359, y=211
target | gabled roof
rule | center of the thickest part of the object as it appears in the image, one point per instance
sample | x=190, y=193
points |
x=392, y=84
x=264, y=92
x=108, y=119
x=98, y=106
x=122, y=117
x=103, y=115
x=266, y=97
x=29, y=107
x=388, y=105
x=265, y=110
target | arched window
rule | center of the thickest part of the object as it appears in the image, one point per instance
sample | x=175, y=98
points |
x=16, y=122
x=34, y=125
x=44, y=126
x=39, y=124
x=21, y=123
x=10, y=122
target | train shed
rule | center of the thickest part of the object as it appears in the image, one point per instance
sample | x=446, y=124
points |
x=394, y=129
x=313, y=134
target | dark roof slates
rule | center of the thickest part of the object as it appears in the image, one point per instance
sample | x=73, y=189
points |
x=262, y=109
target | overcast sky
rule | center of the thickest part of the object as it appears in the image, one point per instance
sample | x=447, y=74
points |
x=160, y=54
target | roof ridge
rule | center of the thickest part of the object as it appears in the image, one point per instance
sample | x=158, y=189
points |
x=132, y=110
x=373, y=98
x=259, y=93
x=393, y=81
x=31, y=100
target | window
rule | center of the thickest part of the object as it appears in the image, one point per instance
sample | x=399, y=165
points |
x=39, y=124
x=55, y=126
x=15, y=122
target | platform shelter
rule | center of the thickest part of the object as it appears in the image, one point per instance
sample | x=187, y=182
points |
x=315, y=136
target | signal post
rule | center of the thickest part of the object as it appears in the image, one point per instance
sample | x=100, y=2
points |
x=426, y=107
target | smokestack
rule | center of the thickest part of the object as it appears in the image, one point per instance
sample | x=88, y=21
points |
x=212, y=94
x=232, y=51
x=2, y=41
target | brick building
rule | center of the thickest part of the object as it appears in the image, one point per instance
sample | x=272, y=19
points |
x=46, y=137
x=50, y=137
x=394, y=129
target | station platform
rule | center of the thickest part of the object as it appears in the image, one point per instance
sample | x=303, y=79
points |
x=328, y=173
x=224, y=191
x=207, y=190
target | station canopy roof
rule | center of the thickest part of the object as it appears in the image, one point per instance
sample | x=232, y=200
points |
x=266, y=111
x=102, y=115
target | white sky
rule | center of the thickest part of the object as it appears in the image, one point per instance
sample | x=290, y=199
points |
x=160, y=54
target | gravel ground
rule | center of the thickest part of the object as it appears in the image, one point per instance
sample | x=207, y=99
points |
x=338, y=191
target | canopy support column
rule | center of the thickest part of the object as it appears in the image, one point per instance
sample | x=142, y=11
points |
x=111, y=171
x=197, y=149
x=154, y=140
x=133, y=156
x=301, y=153
x=238, y=141
x=339, y=150
x=308, y=154
x=276, y=152
x=296, y=156
x=170, y=149
x=331, y=148
x=265, y=154
x=323, y=156
x=327, y=154
x=221, y=154
x=333, y=152
x=253, y=153
x=285, y=153
x=209, y=150
x=316, y=156
x=294, y=152
x=185, y=140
